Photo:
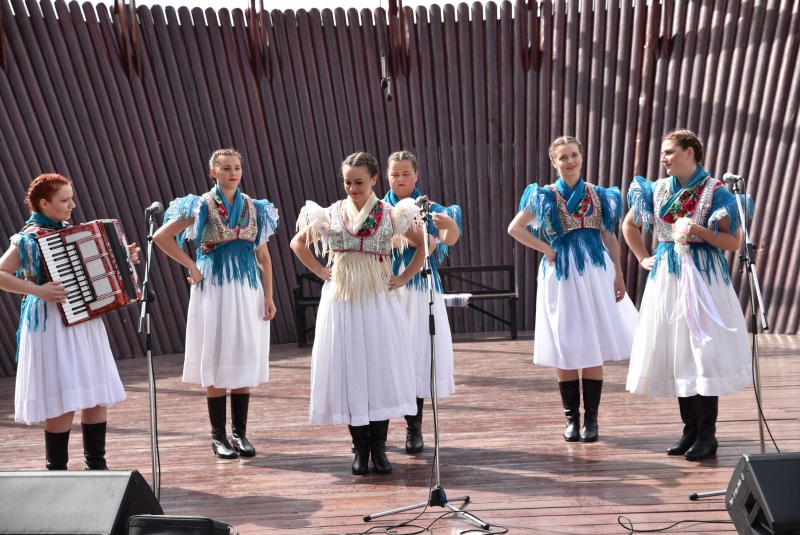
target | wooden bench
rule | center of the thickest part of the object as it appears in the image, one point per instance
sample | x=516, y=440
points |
x=306, y=295
x=455, y=280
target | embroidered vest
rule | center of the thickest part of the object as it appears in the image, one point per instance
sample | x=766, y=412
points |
x=573, y=222
x=378, y=242
x=698, y=207
x=217, y=231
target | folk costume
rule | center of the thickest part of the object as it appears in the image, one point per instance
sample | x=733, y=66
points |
x=416, y=304
x=61, y=369
x=227, y=340
x=691, y=341
x=362, y=367
x=579, y=323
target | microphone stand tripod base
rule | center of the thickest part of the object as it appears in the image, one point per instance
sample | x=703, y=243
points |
x=438, y=498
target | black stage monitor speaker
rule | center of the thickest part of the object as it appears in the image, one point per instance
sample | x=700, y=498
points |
x=763, y=496
x=176, y=525
x=64, y=502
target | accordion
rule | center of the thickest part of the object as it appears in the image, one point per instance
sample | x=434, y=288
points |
x=91, y=260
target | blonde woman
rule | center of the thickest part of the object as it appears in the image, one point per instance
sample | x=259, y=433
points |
x=231, y=305
x=583, y=315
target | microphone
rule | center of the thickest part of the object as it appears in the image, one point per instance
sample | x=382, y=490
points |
x=155, y=208
x=384, y=76
x=730, y=178
x=421, y=201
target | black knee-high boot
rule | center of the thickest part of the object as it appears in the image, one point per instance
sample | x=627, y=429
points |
x=219, y=440
x=378, y=431
x=414, y=443
x=360, y=436
x=239, y=405
x=94, y=446
x=689, y=419
x=706, y=444
x=571, y=399
x=56, y=446
x=592, y=388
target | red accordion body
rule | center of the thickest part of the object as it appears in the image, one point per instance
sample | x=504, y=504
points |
x=92, y=261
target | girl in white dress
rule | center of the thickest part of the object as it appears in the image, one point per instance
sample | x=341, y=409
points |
x=362, y=363
x=445, y=229
x=696, y=351
x=231, y=305
x=583, y=315
x=61, y=369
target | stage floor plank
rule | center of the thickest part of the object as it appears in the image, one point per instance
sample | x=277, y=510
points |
x=500, y=444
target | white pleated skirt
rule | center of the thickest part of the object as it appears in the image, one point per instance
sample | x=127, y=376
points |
x=416, y=303
x=63, y=369
x=579, y=323
x=668, y=362
x=227, y=339
x=362, y=363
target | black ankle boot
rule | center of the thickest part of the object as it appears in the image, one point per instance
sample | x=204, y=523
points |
x=360, y=436
x=689, y=420
x=571, y=399
x=592, y=388
x=706, y=444
x=219, y=441
x=94, y=446
x=378, y=431
x=414, y=443
x=56, y=446
x=239, y=406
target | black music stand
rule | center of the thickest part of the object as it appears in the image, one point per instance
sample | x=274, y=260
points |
x=437, y=495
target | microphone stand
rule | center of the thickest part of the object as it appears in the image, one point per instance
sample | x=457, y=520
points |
x=148, y=296
x=749, y=260
x=437, y=495
x=749, y=263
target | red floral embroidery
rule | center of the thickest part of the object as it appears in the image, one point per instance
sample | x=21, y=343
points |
x=685, y=205
x=372, y=221
x=585, y=206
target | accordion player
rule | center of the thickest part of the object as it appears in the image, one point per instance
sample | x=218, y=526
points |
x=92, y=261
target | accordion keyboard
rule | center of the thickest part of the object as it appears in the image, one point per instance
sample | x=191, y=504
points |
x=65, y=266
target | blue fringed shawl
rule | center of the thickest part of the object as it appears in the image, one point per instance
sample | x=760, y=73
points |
x=710, y=260
x=229, y=262
x=30, y=268
x=442, y=250
x=582, y=243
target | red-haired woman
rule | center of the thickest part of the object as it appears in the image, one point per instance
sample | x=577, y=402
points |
x=61, y=369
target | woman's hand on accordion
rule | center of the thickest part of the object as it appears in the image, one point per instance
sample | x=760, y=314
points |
x=52, y=292
x=269, y=309
x=195, y=275
x=133, y=253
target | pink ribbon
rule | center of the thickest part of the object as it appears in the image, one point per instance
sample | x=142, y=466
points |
x=693, y=298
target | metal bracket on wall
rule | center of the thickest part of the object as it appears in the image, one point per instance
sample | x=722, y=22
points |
x=259, y=40
x=530, y=52
x=129, y=35
x=398, y=39
x=3, y=56
x=665, y=32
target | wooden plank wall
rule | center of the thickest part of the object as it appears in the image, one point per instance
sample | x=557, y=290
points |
x=488, y=86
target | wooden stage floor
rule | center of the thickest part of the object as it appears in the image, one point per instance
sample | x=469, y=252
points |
x=500, y=444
